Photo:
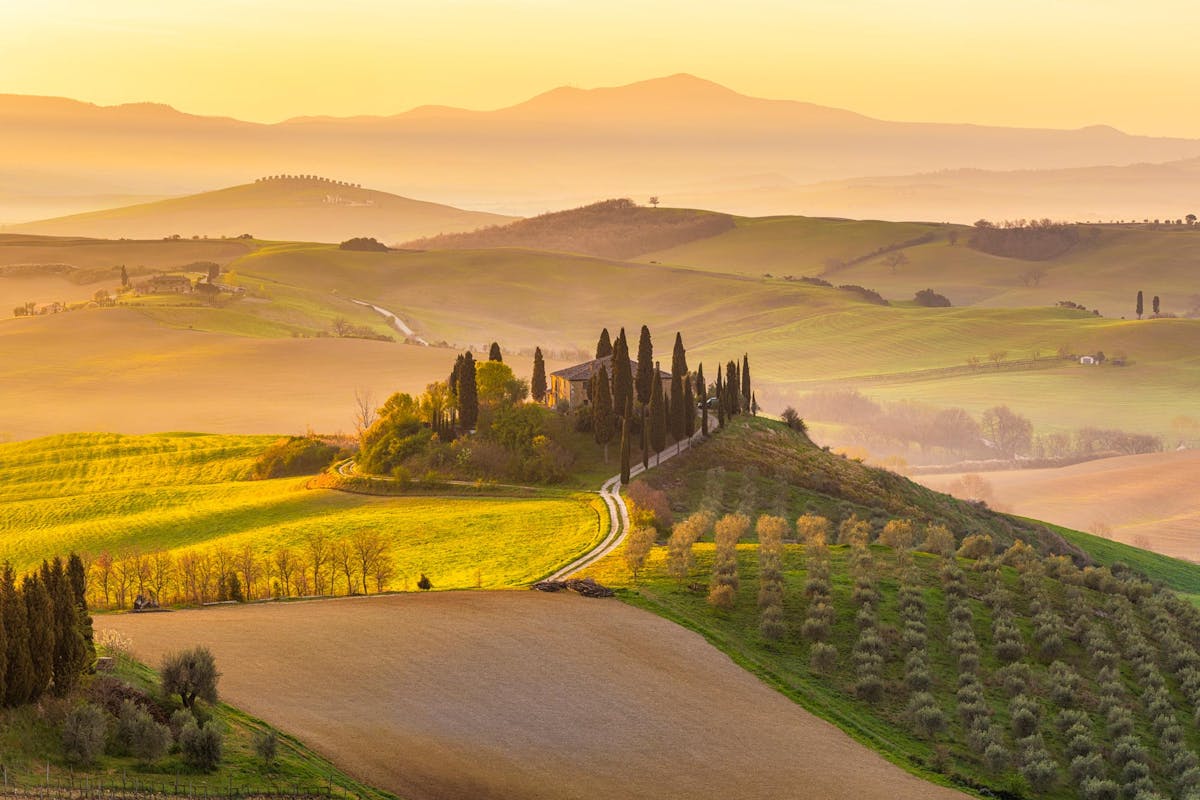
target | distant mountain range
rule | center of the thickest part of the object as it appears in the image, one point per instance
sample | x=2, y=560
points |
x=684, y=139
x=297, y=208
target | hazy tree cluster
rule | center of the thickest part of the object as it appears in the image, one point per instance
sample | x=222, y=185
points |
x=616, y=228
x=1033, y=240
x=316, y=178
x=359, y=563
x=364, y=244
x=45, y=631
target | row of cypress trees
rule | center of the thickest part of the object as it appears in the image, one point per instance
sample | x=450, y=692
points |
x=45, y=631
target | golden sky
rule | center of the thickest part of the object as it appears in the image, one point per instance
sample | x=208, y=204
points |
x=1052, y=63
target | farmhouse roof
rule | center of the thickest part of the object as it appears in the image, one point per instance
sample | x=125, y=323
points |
x=585, y=371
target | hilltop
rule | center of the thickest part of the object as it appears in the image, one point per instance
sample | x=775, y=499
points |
x=680, y=137
x=303, y=208
x=608, y=229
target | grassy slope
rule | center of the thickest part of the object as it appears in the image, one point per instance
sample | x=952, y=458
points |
x=290, y=209
x=781, y=472
x=96, y=492
x=29, y=740
x=1104, y=271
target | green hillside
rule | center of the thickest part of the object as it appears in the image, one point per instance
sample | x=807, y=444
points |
x=191, y=493
x=999, y=671
x=1105, y=270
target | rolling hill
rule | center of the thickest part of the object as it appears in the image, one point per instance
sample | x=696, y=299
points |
x=304, y=208
x=680, y=137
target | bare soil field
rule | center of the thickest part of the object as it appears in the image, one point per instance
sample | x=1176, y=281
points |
x=1149, y=501
x=116, y=370
x=520, y=695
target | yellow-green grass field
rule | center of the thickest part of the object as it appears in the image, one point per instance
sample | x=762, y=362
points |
x=170, y=492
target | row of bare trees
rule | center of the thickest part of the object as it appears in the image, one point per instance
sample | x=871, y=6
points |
x=360, y=563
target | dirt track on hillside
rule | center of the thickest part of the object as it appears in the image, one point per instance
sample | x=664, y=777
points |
x=1148, y=501
x=519, y=695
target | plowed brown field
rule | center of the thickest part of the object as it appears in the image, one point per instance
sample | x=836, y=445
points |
x=521, y=695
x=1150, y=501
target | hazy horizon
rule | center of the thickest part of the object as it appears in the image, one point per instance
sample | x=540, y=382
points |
x=925, y=61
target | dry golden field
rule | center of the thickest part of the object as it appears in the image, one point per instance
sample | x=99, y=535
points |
x=520, y=695
x=1148, y=501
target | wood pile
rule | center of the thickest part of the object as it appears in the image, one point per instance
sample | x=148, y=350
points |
x=586, y=587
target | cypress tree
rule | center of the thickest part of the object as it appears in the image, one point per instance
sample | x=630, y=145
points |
x=604, y=421
x=658, y=415
x=731, y=389
x=1154, y=305
x=1140, y=306
x=720, y=395
x=702, y=391
x=622, y=375
x=454, y=375
x=70, y=650
x=604, y=347
x=678, y=410
x=754, y=404
x=645, y=442
x=494, y=353
x=645, y=367
x=18, y=683
x=41, y=635
x=625, y=442
x=746, y=393
x=3, y=652
x=689, y=406
x=468, y=395
x=679, y=357
x=537, y=384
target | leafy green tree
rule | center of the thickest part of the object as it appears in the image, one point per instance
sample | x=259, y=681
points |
x=658, y=415
x=494, y=352
x=604, y=420
x=191, y=674
x=468, y=398
x=645, y=368
x=495, y=384
x=604, y=347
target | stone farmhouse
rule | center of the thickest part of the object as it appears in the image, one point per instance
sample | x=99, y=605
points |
x=569, y=386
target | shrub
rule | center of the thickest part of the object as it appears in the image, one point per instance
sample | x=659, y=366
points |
x=1099, y=789
x=180, y=720
x=1040, y=772
x=266, y=744
x=201, y=747
x=822, y=658
x=995, y=756
x=812, y=529
x=976, y=546
x=1083, y=767
x=854, y=531
x=296, y=455
x=139, y=735
x=938, y=540
x=869, y=688
x=84, y=733
x=771, y=625
x=1024, y=717
x=650, y=506
x=899, y=534
x=931, y=299
x=721, y=596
